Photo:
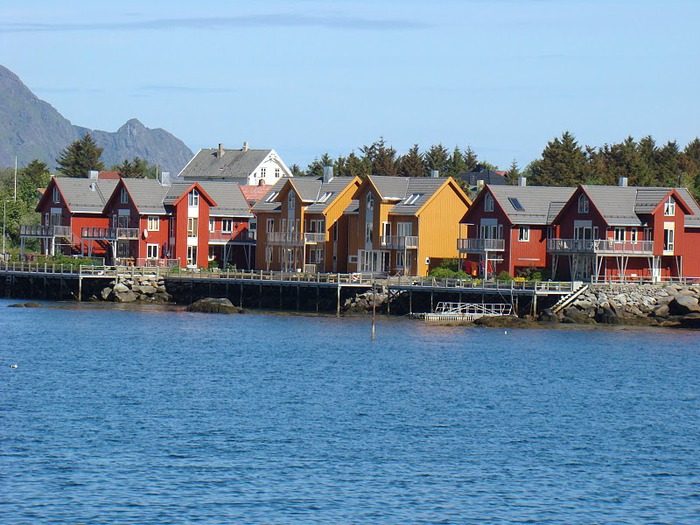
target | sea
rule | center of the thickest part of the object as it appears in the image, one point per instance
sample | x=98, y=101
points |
x=159, y=416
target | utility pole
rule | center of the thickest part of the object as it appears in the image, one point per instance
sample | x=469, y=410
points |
x=15, y=199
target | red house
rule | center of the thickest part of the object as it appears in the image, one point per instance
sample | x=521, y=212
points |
x=506, y=228
x=66, y=207
x=621, y=232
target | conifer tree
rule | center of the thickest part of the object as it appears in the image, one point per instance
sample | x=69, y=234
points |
x=411, y=164
x=80, y=157
x=437, y=158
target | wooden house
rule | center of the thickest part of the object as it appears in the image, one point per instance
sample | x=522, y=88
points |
x=404, y=225
x=507, y=227
x=622, y=232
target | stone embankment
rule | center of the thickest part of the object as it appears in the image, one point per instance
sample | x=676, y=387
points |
x=635, y=304
x=143, y=288
x=363, y=302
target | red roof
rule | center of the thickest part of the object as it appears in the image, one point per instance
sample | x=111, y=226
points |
x=108, y=175
x=254, y=193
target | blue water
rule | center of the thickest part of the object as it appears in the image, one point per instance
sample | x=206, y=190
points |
x=122, y=416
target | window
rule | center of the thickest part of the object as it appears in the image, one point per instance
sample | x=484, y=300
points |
x=324, y=198
x=516, y=204
x=369, y=201
x=369, y=232
x=316, y=226
x=192, y=224
x=263, y=171
x=633, y=236
x=56, y=194
x=619, y=235
x=227, y=225
x=292, y=201
x=268, y=254
x=212, y=225
x=386, y=229
x=335, y=232
x=193, y=198
x=412, y=199
x=153, y=223
x=404, y=229
x=152, y=251
x=191, y=256
x=670, y=207
x=583, y=203
x=270, y=225
x=524, y=234
x=277, y=173
x=124, y=196
x=488, y=202
x=272, y=196
x=669, y=235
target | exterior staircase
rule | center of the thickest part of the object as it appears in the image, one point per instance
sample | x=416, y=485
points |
x=568, y=299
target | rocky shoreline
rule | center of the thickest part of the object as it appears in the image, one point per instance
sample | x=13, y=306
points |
x=143, y=288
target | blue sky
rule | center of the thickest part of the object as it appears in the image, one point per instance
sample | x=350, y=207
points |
x=308, y=77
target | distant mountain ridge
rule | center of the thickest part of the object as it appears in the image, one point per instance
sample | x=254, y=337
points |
x=33, y=129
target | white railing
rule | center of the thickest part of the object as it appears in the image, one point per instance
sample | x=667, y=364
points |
x=399, y=242
x=109, y=234
x=600, y=246
x=240, y=236
x=481, y=245
x=157, y=263
x=30, y=230
x=447, y=311
x=285, y=238
x=314, y=238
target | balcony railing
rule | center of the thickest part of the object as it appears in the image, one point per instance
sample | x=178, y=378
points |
x=245, y=236
x=399, y=242
x=600, y=246
x=110, y=234
x=285, y=238
x=314, y=238
x=27, y=230
x=481, y=245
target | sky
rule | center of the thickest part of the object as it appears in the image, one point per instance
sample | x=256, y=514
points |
x=308, y=77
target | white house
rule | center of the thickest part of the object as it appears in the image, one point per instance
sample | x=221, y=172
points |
x=248, y=167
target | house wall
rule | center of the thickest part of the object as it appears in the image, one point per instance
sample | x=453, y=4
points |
x=527, y=254
x=437, y=226
x=158, y=237
x=266, y=173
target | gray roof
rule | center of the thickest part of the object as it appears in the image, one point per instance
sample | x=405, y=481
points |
x=273, y=205
x=390, y=188
x=81, y=198
x=148, y=195
x=540, y=204
x=327, y=193
x=691, y=221
x=229, y=199
x=233, y=165
x=353, y=207
x=484, y=174
x=418, y=191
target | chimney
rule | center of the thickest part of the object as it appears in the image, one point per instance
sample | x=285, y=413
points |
x=165, y=178
x=434, y=174
x=245, y=146
x=522, y=181
x=622, y=182
x=479, y=185
x=221, y=150
x=93, y=174
x=327, y=173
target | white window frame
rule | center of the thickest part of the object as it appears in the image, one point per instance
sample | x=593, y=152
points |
x=488, y=203
x=670, y=207
x=153, y=223
x=583, y=203
x=56, y=195
x=192, y=255
x=270, y=225
x=277, y=173
x=212, y=225
x=193, y=198
x=226, y=225
x=192, y=227
x=634, y=235
x=124, y=196
x=524, y=234
x=152, y=251
x=263, y=172
x=619, y=235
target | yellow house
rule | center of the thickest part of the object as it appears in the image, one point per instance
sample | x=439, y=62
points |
x=301, y=224
x=404, y=225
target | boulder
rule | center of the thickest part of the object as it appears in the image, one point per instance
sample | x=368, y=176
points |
x=125, y=297
x=148, y=289
x=105, y=293
x=213, y=305
x=661, y=311
x=683, y=305
x=549, y=317
x=161, y=297
x=120, y=288
x=690, y=321
x=608, y=316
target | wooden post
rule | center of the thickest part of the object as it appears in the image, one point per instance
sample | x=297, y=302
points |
x=374, y=307
x=337, y=311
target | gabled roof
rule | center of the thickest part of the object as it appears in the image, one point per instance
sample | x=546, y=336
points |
x=419, y=190
x=328, y=192
x=82, y=195
x=390, y=188
x=230, y=201
x=535, y=205
x=147, y=195
x=234, y=165
x=494, y=178
x=269, y=202
x=691, y=221
x=254, y=193
x=179, y=190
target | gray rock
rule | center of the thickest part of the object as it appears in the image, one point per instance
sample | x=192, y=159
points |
x=105, y=293
x=125, y=297
x=213, y=305
x=683, y=305
x=148, y=289
x=661, y=311
x=120, y=288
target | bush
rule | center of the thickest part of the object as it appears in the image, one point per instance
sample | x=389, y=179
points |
x=534, y=274
x=446, y=273
x=504, y=276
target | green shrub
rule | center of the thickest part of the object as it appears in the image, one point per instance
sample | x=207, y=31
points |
x=504, y=276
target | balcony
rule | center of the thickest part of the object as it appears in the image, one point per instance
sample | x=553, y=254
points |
x=44, y=232
x=240, y=237
x=314, y=238
x=285, y=238
x=600, y=247
x=110, y=234
x=480, y=245
x=400, y=242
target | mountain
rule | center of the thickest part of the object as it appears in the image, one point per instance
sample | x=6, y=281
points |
x=33, y=129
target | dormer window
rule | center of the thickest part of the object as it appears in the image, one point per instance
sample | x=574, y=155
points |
x=413, y=198
x=272, y=196
x=583, y=203
x=193, y=198
x=56, y=194
x=369, y=201
x=488, y=202
x=670, y=207
x=124, y=196
x=324, y=198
